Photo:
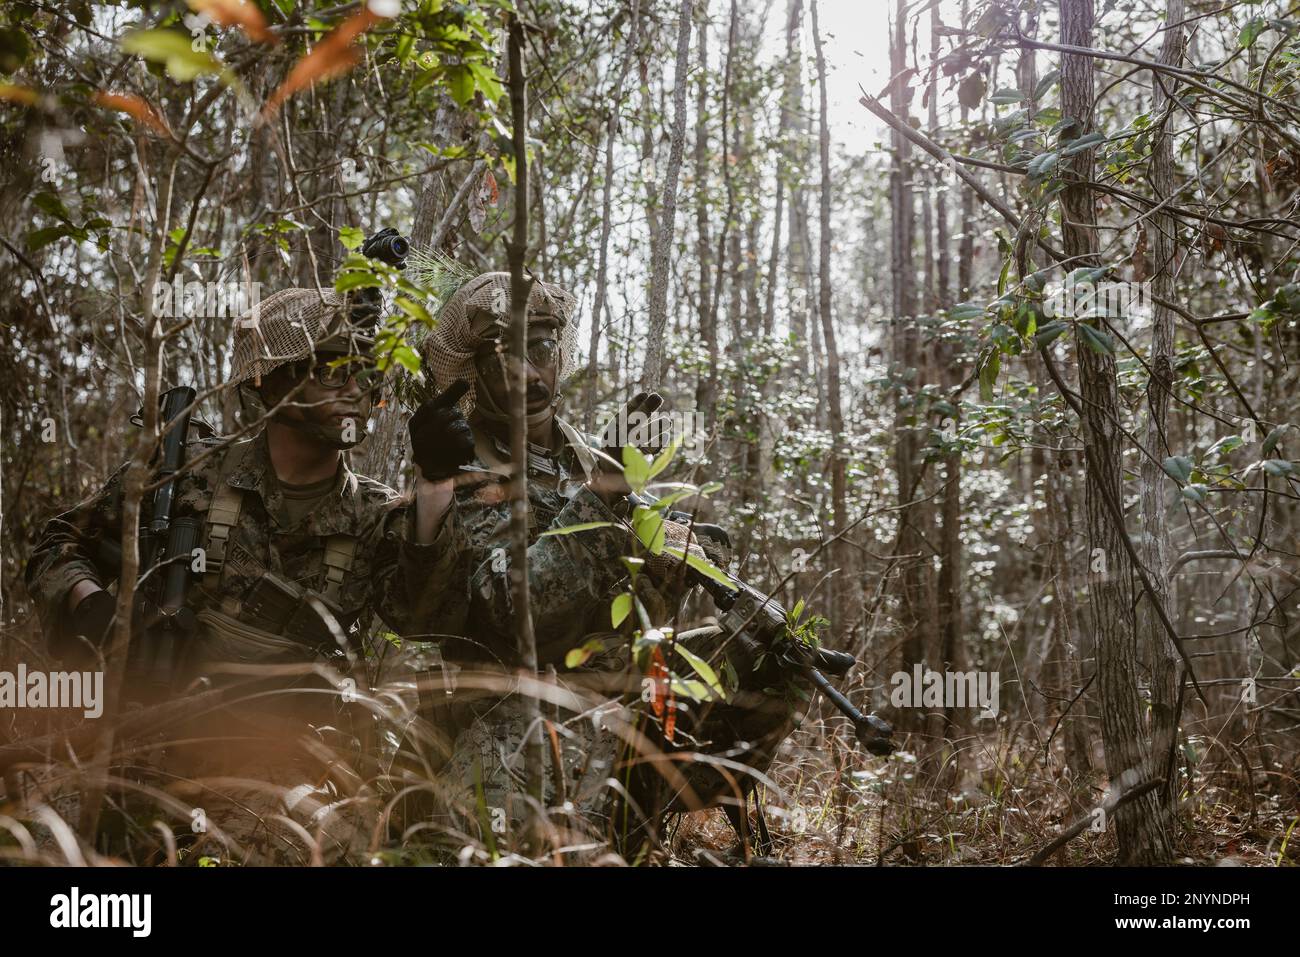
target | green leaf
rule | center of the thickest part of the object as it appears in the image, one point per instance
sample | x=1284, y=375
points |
x=1271, y=440
x=356, y=279
x=407, y=358
x=649, y=527
x=1095, y=339
x=702, y=566
x=1224, y=446
x=413, y=309
x=577, y=657
x=1042, y=164
x=664, y=458
x=1194, y=493
x=172, y=49
x=636, y=468
x=1178, y=467
x=1006, y=96
x=1279, y=467
x=40, y=238
x=1251, y=31
x=570, y=529
x=620, y=609
x=351, y=237
x=1046, y=83
x=701, y=668
x=966, y=311
x=1083, y=143
x=460, y=84
x=989, y=375
x=1049, y=331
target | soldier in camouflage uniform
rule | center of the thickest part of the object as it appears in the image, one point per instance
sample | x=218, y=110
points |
x=602, y=778
x=300, y=554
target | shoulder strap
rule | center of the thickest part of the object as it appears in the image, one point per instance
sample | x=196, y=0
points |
x=340, y=550
x=223, y=516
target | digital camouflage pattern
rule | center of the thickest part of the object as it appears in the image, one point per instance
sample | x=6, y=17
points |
x=605, y=749
x=401, y=581
x=281, y=743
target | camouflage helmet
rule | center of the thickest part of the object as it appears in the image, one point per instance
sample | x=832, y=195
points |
x=295, y=324
x=478, y=312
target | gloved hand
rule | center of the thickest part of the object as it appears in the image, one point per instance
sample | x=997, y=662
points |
x=633, y=423
x=90, y=622
x=441, y=438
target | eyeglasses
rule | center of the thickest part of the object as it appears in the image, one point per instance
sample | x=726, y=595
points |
x=542, y=354
x=335, y=373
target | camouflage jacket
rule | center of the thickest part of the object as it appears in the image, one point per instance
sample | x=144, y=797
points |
x=403, y=582
x=572, y=578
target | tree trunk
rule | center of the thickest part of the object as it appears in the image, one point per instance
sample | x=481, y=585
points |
x=839, y=585
x=1139, y=825
x=520, y=288
x=1165, y=664
x=652, y=370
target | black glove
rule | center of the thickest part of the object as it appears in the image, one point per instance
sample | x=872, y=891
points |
x=618, y=432
x=441, y=439
x=387, y=246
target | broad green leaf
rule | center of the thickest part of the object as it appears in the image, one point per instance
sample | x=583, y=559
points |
x=1048, y=332
x=649, y=527
x=966, y=311
x=620, y=609
x=348, y=281
x=1043, y=164
x=664, y=458
x=1083, y=143
x=702, y=669
x=1279, y=467
x=407, y=358
x=1095, y=339
x=173, y=49
x=413, y=309
x=636, y=468
x=1005, y=97
x=1271, y=440
x=1178, y=467
x=351, y=237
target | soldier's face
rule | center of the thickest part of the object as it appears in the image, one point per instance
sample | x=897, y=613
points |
x=542, y=370
x=331, y=404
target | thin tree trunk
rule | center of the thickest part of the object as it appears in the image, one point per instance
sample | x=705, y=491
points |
x=599, y=307
x=520, y=288
x=839, y=585
x=706, y=389
x=653, y=369
x=1165, y=664
x=1139, y=825
x=911, y=590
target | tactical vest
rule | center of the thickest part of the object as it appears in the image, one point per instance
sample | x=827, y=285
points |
x=277, y=619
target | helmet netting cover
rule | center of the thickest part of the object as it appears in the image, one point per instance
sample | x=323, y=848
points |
x=285, y=327
x=478, y=312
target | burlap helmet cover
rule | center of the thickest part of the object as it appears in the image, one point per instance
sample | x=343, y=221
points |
x=290, y=325
x=479, y=312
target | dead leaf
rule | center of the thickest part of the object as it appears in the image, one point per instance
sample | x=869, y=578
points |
x=133, y=106
x=236, y=13
x=332, y=57
x=17, y=94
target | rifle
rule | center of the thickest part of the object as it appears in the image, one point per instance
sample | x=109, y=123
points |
x=761, y=625
x=167, y=543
